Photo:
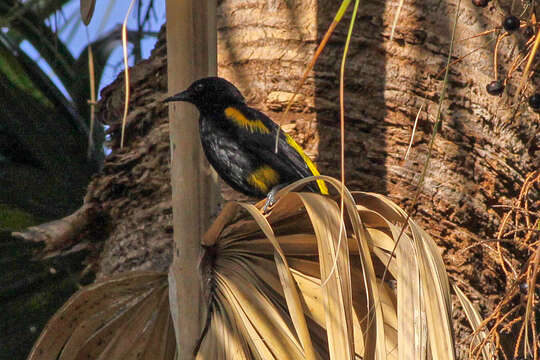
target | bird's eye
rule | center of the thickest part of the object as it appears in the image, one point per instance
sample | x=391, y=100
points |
x=199, y=87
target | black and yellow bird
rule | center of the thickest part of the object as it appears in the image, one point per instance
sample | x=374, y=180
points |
x=239, y=141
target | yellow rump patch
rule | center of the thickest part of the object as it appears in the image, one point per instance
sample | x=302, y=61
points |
x=264, y=178
x=240, y=119
x=309, y=163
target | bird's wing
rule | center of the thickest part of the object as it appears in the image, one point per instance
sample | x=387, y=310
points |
x=290, y=158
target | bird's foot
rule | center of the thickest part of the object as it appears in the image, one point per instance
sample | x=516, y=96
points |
x=271, y=197
x=270, y=201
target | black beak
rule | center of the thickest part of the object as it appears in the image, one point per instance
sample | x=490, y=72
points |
x=182, y=96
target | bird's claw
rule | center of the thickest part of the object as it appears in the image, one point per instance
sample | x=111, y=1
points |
x=271, y=197
x=270, y=201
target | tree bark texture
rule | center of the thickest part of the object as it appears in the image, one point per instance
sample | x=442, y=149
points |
x=480, y=157
x=133, y=191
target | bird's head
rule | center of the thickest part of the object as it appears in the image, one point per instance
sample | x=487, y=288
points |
x=209, y=92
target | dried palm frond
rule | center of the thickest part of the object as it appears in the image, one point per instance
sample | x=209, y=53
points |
x=295, y=284
x=124, y=317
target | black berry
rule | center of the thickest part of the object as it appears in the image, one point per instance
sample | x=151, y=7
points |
x=495, y=87
x=480, y=3
x=534, y=101
x=510, y=23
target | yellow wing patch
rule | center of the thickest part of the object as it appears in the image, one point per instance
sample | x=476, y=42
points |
x=309, y=163
x=264, y=178
x=240, y=119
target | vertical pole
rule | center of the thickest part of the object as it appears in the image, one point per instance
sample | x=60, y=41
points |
x=191, y=54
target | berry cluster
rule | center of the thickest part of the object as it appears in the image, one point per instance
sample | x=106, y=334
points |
x=511, y=24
